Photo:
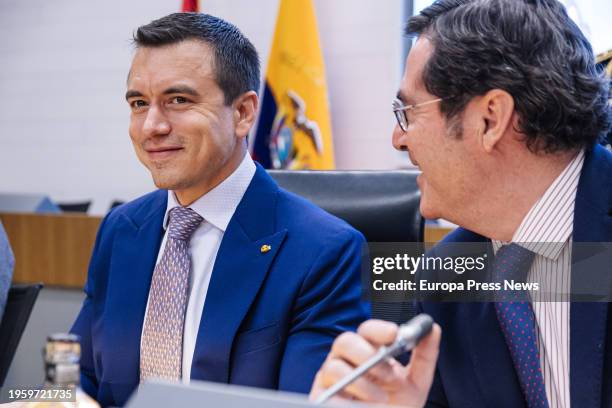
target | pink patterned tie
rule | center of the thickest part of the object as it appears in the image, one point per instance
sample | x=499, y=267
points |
x=162, y=337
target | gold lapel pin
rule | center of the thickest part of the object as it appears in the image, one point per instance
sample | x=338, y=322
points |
x=265, y=248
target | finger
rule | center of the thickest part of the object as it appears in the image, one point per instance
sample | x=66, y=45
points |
x=362, y=388
x=381, y=333
x=378, y=332
x=422, y=366
x=352, y=347
x=355, y=350
x=317, y=385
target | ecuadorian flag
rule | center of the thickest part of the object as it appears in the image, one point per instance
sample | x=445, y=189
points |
x=294, y=130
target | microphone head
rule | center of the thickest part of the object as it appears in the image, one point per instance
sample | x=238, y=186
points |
x=411, y=332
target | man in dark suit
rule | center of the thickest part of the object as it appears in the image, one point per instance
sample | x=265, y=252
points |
x=502, y=109
x=220, y=275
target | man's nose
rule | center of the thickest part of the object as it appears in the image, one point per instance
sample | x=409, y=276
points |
x=399, y=138
x=156, y=123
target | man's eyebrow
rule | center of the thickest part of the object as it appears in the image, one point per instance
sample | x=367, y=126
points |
x=405, y=99
x=132, y=94
x=181, y=89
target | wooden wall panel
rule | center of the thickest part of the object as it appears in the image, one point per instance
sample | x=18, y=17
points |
x=55, y=249
x=51, y=248
x=435, y=234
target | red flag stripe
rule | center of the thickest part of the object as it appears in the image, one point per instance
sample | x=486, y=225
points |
x=191, y=6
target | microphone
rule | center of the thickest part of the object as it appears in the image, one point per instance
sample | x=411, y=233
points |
x=408, y=336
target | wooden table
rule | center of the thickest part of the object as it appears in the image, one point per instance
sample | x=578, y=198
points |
x=55, y=248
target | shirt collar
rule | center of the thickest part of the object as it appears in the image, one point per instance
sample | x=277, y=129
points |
x=218, y=205
x=549, y=223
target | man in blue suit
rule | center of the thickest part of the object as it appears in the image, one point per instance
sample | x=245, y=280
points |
x=502, y=108
x=220, y=275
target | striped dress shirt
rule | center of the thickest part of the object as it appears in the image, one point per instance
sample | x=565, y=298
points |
x=547, y=231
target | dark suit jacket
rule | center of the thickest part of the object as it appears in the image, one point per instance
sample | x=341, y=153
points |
x=269, y=318
x=475, y=368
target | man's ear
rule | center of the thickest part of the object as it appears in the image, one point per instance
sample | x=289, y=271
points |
x=497, y=109
x=245, y=112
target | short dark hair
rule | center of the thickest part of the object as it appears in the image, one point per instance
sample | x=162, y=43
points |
x=236, y=63
x=529, y=48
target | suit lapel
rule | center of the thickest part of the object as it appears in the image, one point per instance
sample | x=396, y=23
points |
x=587, y=341
x=588, y=319
x=241, y=267
x=133, y=259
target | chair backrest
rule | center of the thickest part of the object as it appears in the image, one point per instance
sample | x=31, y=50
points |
x=80, y=207
x=383, y=205
x=116, y=203
x=19, y=305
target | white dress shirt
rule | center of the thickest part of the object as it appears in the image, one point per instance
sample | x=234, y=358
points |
x=547, y=230
x=216, y=208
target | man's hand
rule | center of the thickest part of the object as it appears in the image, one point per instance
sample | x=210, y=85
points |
x=389, y=382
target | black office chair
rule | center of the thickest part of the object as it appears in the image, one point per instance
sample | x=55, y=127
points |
x=79, y=207
x=116, y=203
x=19, y=305
x=383, y=205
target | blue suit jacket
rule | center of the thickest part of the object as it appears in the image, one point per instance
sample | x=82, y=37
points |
x=269, y=318
x=475, y=368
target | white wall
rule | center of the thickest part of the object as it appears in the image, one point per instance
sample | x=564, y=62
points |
x=63, y=65
x=592, y=16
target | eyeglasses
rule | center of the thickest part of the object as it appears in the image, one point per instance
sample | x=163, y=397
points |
x=399, y=109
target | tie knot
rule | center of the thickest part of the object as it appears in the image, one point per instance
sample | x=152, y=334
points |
x=513, y=262
x=183, y=223
x=514, y=251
